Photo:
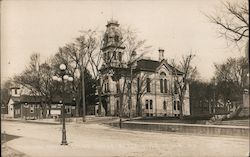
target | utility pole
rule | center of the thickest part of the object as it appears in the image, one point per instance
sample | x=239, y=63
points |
x=83, y=93
x=133, y=54
x=130, y=93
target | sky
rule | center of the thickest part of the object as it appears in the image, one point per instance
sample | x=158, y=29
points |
x=177, y=26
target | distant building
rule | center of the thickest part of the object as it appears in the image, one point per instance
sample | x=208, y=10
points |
x=30, y=107
x=153, y=91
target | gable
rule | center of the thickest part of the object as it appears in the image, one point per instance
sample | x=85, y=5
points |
x=11, y=102
x=169, y=68
x=164, y=68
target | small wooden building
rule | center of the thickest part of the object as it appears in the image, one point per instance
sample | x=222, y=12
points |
x=32, y=107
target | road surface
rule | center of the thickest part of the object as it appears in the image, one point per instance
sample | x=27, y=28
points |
x=102, y=141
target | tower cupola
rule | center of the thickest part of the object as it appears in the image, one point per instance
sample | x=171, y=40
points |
x=112, y=47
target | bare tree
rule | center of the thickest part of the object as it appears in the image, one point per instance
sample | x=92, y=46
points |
x=37, y=79
x=5, y=91
x=181, y=78
x=231, y=77
x=77, y=57
x=232, y=21
x=141, y=90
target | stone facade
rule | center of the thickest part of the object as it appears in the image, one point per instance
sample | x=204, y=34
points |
x=153, y=91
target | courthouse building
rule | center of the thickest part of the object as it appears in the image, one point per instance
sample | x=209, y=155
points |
x=153, y=90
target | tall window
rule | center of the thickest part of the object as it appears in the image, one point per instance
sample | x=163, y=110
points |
x=120, y=56
x=164, y=105
x=146, y=104
x=15, y=91
x=148, y=84
x=165, y=86
x=174, y=105
x=178, y=105
x=175, y=88
x=151, y=104
x=161, y=85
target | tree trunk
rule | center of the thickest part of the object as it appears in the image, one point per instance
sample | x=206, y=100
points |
x=100, y=101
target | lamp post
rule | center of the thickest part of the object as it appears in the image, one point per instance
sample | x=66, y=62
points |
x=26, y=106
x=63, y=77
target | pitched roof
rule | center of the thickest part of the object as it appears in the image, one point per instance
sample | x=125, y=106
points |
x=147, y=65
x=15, y=99
x=30, y=99
x=38, y=99
x=152, y=65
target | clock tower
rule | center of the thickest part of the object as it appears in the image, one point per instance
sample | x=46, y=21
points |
x=112, y=47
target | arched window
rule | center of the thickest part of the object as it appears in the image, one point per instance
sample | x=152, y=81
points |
x=161, y=85
x=148, y=84
x=165, y=86
x=164, y=105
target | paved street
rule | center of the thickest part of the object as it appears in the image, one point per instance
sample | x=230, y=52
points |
x=99, y=140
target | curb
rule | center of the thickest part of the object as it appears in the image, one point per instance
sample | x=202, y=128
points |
x=208, y=130
x=34, y=122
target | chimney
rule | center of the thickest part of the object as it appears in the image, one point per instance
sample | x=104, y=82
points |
x=15, y=91
x=161, y=54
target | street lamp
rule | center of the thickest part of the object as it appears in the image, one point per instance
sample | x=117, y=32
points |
x=63, y=77
x=26, y=107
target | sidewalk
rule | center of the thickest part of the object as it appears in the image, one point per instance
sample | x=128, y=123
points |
x=89, y=120
x=38, y=121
